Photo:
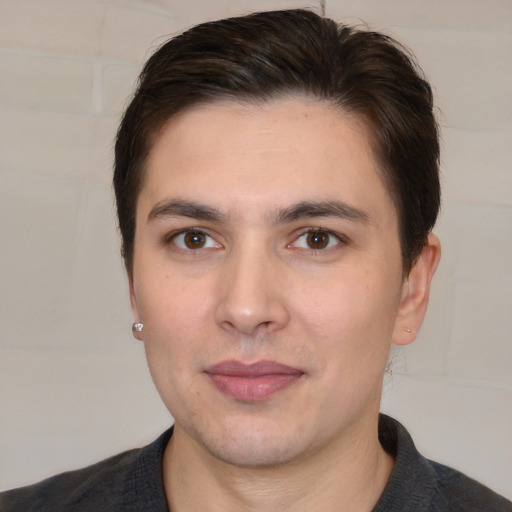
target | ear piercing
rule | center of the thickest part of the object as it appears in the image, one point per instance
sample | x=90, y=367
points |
x=406, y=329
x=137, y=327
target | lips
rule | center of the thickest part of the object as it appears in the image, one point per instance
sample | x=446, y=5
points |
x=252, y=382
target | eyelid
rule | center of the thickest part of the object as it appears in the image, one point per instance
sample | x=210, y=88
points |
x=340, y=238
x=170, y=238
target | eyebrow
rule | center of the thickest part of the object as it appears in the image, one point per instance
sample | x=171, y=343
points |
x=302, y=210
x=309, y=209
x=191, y=209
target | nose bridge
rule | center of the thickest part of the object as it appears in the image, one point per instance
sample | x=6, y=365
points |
x=250, y=297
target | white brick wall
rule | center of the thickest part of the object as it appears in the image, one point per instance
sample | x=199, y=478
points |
x=63, y=83
x=131, y=33
x=73, y=386
x=66, y=26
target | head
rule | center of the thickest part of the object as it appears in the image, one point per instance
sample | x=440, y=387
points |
x=270, y=55
x=276, y=179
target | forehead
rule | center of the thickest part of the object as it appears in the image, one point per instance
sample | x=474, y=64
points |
x=261, y=154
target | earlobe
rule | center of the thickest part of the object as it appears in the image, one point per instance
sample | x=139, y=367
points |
x=415, y=293
x=137, y=334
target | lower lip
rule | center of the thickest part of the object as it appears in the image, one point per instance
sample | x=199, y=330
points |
x=253, y=389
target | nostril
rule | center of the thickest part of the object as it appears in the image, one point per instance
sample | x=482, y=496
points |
x=248, y=301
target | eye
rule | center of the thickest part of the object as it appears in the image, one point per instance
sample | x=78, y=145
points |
x=193, y=240
x=317, y=240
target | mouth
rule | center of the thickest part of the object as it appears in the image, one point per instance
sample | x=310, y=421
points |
x=252, y=382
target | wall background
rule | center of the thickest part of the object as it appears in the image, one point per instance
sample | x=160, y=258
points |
x=74, y=386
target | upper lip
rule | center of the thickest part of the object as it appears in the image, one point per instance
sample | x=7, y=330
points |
x=258, y=369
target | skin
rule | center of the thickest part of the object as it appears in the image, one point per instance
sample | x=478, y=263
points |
x=259, y=287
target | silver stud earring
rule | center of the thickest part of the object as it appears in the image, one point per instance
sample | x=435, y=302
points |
x=137, y=327
x=405, y=328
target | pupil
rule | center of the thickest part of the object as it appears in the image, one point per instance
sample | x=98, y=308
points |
x=318, y=240
x=194, y=240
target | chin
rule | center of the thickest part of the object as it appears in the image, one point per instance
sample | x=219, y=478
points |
x=253, y=444
x=253, y=453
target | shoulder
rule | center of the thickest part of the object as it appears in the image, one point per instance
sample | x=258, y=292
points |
x=119, y=483
x=70, y=489
x=461, y=492
x=421, y=485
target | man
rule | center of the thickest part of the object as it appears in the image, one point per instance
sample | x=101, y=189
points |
x=276, y=180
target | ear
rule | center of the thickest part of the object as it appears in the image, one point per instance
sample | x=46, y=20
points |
x=415, y=293
x=135, y=312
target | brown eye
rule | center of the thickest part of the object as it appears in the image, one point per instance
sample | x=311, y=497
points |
x=194, y=240
x=318, y=239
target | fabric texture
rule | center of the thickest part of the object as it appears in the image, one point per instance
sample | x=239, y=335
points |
x=132, y=482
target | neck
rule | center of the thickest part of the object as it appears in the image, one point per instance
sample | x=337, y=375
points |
x=349, y=476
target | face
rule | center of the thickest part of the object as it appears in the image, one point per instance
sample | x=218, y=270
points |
x=268, y=276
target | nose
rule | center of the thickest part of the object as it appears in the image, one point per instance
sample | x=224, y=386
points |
x=251, y=298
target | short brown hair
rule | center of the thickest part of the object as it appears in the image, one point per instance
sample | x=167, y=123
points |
x=270, y=54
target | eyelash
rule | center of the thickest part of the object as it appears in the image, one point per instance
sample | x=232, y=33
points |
x=338, y=238
x=172, y=238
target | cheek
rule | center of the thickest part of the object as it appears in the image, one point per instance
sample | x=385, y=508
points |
x=175, y=317
x=348, y=301
x=169, y=300
x=174, y=345
x=351, y=316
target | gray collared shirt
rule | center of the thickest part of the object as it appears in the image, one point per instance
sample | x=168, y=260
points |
x=132, y=482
